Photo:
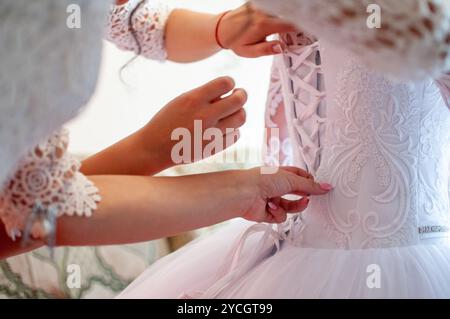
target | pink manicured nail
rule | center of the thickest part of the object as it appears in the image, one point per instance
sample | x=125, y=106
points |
x=277, y=48
x=272, y=206
x=326, y=186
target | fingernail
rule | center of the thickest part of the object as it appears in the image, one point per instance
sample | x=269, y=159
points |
x=277, y=48
x=272, y=206
x=326, y=186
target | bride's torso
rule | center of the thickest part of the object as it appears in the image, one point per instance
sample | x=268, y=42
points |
x=385, y=146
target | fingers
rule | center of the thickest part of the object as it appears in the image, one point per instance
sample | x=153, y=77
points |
x=306, y=185
x=233, y=121
x=272, y=25
x=263, y=49
x=298, y=171
x=213, y=90
x=231, y=104
x=294, y=206
x=276, y=213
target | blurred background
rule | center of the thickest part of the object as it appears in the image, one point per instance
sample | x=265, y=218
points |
x=121, y=107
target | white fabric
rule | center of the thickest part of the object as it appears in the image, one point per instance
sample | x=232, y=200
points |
x=413, y=40
x=385, y=146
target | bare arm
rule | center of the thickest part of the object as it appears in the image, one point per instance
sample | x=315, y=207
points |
x=135, y=209
x=191, y=36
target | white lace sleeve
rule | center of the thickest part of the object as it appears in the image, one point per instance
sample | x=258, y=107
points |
x=46, y=185
x=413, y=39
x=149, y=22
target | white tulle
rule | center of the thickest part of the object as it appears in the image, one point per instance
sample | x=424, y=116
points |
x=419, y=271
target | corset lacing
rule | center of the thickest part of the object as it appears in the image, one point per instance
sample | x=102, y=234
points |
x=297, y=60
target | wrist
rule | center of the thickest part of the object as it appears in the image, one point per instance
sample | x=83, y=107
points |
x=151, y=153
x=219, y=35
x=246, y=187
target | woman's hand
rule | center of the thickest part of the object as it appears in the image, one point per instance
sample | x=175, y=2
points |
x=191, y=36
x=245, y=31
x=267, y=204
x=148, y=151
x=157, y=207
x=206, y=105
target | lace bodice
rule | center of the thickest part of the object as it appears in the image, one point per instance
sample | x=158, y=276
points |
x=48, y=72
x=384, y=145
x=413, y=38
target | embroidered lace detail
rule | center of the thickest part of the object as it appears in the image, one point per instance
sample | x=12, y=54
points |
x=149, y=24
x=384, y=145
x=48, y=178
x=413, y=38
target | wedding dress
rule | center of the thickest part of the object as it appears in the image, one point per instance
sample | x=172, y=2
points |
x=383, y=232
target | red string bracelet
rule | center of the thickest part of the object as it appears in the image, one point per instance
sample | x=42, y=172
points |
x=217, y=29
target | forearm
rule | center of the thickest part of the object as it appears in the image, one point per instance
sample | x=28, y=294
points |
x=135, y=209
x=9, y=248
x=190, y=36
x=130, y=156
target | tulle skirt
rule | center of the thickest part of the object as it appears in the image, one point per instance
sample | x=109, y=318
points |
x=220, y=267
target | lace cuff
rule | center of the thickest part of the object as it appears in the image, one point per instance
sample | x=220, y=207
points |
x=47, y=185
x=413, y=39
x=149, y=22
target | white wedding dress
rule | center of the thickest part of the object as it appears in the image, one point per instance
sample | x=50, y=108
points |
x=383, y=232
x=385, y=147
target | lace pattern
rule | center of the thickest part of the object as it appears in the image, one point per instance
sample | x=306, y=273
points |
x=48, y=178
x=375, y=128
x=149, y=24
x=412, y=41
